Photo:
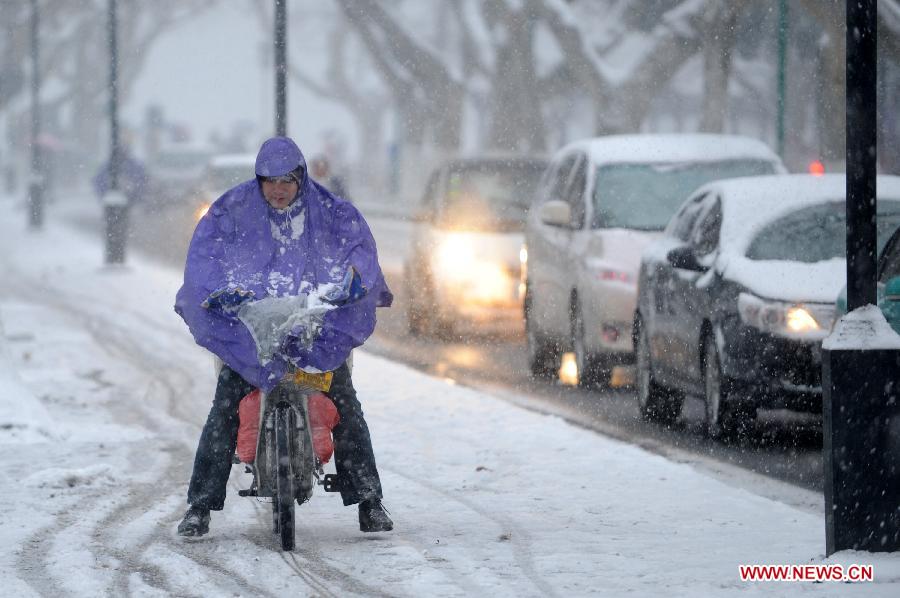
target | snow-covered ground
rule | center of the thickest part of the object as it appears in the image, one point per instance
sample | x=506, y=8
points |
x=102, y=395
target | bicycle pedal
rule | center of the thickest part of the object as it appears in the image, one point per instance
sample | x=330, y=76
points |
x=331, y=482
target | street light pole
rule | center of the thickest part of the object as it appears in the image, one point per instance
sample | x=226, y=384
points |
x=782, y=67
x=860, y=395
x=115, y=204
x=281, y=67
x=862, y=77
x=36, y=184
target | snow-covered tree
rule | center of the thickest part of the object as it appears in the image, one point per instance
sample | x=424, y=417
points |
x=73, y=57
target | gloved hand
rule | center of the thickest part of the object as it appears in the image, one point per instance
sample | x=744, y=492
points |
x=228, y=299
x=296, y=347
x=348, y=290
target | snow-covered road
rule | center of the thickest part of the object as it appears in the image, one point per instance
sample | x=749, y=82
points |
x=102, y=395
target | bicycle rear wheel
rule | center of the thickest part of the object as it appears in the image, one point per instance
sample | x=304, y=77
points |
x=284, y=481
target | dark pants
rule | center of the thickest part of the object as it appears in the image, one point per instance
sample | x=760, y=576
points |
x=354, y=458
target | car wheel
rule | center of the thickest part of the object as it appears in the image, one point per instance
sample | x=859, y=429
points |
x=543, y=357
x=726, y=417
x=592, y=371
x=657, y=403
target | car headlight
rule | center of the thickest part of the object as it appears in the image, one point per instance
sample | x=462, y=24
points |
x=474, y=279
x=454, y=258
x=790, y=320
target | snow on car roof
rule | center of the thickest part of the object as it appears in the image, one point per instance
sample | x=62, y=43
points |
x=497, y=158
x=654, y=148
x=225, y=160
x=750, y=203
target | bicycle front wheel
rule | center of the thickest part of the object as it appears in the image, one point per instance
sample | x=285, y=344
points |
x=284, y=481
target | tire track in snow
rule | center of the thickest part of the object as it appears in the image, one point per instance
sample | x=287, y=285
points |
x=521, y=549
x=35, y=560
x=150, y=364
x=314, y=567
x=115, y=338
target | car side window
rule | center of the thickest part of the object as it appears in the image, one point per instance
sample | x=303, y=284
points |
x=682, y=223
x=705, y=238
x=890, y=260
x=561, y=178
x=575, y=194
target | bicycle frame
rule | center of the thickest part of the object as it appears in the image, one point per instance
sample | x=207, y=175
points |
x=286, y=467
x=304, y=464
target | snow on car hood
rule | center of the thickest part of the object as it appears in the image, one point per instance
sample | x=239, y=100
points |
x=798, y=282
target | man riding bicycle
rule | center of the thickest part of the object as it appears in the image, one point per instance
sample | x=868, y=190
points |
x=281, y=235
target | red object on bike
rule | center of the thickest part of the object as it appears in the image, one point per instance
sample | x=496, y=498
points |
x=323, y=417
x=248, y=428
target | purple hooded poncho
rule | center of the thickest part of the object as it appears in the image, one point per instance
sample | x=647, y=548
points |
x=242, y=242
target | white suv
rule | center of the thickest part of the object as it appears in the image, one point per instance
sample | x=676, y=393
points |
x=600, y=203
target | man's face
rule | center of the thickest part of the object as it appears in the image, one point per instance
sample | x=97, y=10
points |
x=280, y=192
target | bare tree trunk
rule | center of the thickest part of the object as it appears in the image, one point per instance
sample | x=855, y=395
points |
x=579, y=64
x=674, y=45
x=622, y=107
x=832, y=94
x=717, y=63
x=516, y=120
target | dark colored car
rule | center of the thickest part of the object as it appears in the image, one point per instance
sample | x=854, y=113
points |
x=888, y=282
x=736, y=297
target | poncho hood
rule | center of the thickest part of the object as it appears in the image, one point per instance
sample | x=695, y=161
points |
x=242, y=242
x=279, y=156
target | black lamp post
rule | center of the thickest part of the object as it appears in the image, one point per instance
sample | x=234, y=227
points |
x=782, y=70
x=36, y=183
x=115, y=203
x=281, y=67
x=861, y=394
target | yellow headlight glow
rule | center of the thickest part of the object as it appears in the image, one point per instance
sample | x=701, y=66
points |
x=800, y=320
x=473, y=279
x=568, y=370
x=455, y=258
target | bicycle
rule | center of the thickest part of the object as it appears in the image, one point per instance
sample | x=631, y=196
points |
x=286, y=467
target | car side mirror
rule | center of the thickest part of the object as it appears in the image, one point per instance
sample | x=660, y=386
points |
x=892, y=289
x=684, y=258
x=556, y=213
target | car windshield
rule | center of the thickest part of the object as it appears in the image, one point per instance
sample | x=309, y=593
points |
x=490, y=196
x=817, y=233
x=225, y=177
x=644, y=196
x=891, y=265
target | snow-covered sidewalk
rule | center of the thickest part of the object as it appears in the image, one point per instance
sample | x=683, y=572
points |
x=102, y=395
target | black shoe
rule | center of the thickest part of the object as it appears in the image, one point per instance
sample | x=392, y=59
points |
x=373, y=517
x=195, y=522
